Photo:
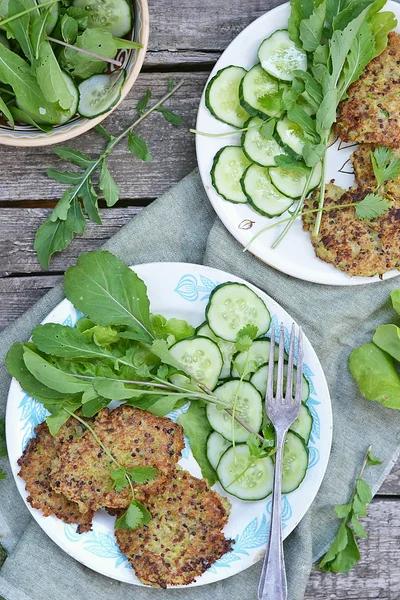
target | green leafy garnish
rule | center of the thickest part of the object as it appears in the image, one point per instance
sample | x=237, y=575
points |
x=371, y=207
x=197, y=428
x=245, y=337
x=386, y=166
x=344, y=553
x=135, y=516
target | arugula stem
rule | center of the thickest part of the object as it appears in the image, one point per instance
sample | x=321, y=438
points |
x=297, y=212
x=94, y=434
x=4, y=91
x=112, y=61
x=27, y=11
x=317, y=223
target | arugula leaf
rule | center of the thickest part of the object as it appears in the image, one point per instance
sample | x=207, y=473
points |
x=89, y=197
x=59, y=416
x=68, y=342
x=289, y=163
x=6, y=111
x=299, y=10
x=20, y=115
x=350, y=11
x=104, y=288
x=361, y=52
x=371, y=207
x=131, y=519
x=51, y=376
x=158, y=405
x=308, y=125
x=170, y=116
x=143, y=102
x=311, y=29
x=395, y=298
x=20, y=27
x=313, y=153
x=101, y=130
x=96, y=40
x=67, y=177
x=128, y=44
x=381, y=24
x=53, y=236
x=387, y=338
x=385, y=164
x=108, y=185
x=197, y=428
x=138, y=147
x=80, y=159
x=51, y=79
x=69, y=29
x=38, y=32
x=114, y=390
x=160, y=348
x=3, y=446
x=376, y=375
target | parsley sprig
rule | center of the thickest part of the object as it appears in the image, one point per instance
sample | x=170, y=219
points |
x=385, y=164
x=344, y=552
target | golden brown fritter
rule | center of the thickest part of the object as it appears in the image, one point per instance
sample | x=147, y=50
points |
x=35, y=466
x=135, y=438
x=371, y=113
x=364, y=173
x=185, y=536
x=358, y=247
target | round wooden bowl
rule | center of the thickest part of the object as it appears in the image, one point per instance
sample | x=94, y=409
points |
x=27, y=136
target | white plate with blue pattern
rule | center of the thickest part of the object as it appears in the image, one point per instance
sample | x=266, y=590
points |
x=181, y=290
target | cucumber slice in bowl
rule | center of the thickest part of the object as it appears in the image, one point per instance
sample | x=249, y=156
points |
x=279, y=56
x=222, y=96
x=228, y=167
x=228, y=349
x=295, y=462
x=201, y=357
x=261, y=194
x=248, y=407
x=100, y=93
x=244, y=477
x=217, y=445
x=232, y=306
x=292, y=182
x=256, y=147
x=254, y=85
x=113, y=15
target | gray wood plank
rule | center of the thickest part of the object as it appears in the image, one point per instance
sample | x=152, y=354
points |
x=377, y=573
x=17, y=233
x=23, y=175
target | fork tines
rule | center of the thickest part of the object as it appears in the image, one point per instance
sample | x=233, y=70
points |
x=285, y=396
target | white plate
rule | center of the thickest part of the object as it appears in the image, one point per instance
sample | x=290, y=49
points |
x=180, y=290
x=295, y=255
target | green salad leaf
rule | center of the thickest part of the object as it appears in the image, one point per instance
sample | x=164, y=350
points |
x=51, y=376
x=311, y=29
x=20, y=27
x=96, y=40
x=395, y=298
x=387, y=338
x=197, y=428
x=164, y=328
x=51, y=79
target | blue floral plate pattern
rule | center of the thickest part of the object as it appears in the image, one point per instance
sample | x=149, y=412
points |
x=185, y=291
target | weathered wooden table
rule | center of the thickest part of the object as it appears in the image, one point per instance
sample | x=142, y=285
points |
x=186, y=38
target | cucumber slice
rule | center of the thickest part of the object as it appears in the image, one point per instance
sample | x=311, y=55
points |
x=256, y=147
x=295, y=462
x=248, y=407
x=228, y=167
x=228, y=349
x=259, y=380
x=201, y=357
x=292, y=182
x=232, y=306
x=216, y=446
x=100, y=93
x=279, y=56
x=256, y=356
x=113, y=15
x=254, y=85
x=261, y=194
x=73, y=90
x=303, y=424
x=222, y=96
x=244, y=477
x=291, y=136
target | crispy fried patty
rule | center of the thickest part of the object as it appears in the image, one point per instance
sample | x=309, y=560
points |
x=364, y=173
x=358, y=247
x=184, y=537
x=135, y=438
x=371, y=114
x=35, y=466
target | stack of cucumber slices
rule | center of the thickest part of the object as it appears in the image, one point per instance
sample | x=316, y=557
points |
x=247, y=100
x=239, y=380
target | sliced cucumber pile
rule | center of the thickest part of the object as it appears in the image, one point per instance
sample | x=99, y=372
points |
x=222, y=96
x=279, y=56
x=233, y=94
x=232, y=306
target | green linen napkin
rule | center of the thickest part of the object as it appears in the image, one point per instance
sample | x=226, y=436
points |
x=181, y=226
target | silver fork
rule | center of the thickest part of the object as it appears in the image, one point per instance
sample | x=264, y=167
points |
x=282, y=411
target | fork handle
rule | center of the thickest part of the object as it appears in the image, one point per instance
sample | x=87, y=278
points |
x=273, y=584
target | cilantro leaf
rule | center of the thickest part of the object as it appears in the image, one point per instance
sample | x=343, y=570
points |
x=371, y=207
x=131, y=519
x=120, y=481
x=245, y=337
x=267, y=129
x=385, y=165
x=142, y=474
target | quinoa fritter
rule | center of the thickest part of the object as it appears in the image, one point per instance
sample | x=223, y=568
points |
x=35, y=466
x=185, y=536
x=363, y=248
x=364, y=173
x=371, y=113
x=135, y=438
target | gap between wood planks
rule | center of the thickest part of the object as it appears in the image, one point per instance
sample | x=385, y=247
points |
x=122, y=203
